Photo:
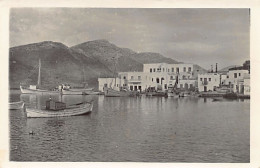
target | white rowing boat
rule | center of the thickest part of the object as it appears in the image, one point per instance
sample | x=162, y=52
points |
x=16, y=105
x=79, y=109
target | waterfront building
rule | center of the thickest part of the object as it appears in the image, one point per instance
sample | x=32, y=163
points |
x=208, y=82
x=236, y=78
x=158, y=76
x=247, y=85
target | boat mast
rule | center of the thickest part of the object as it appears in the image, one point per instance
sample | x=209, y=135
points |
x=114, y=69
x=39, y=73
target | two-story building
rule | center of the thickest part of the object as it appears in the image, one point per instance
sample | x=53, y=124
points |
x=208, y=82
x=234, y=79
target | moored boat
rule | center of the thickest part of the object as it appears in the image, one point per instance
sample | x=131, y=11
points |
x=231, y=95
x=92, y=93
x=172, y=94
x=184, y=94
x=109, y=92
x=61, y=111
x=67, y=90
x=72, y=92
x=34, y=91
x=16, y=105
x=157, y=93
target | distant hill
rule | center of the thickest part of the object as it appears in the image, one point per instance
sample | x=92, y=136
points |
x=59, y=65
x=227, y=68
x=84, y=62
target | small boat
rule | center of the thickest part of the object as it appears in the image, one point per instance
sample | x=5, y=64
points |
x=230, y=95
x=157, y=93
x=92, y=93
x=109, y=92
x=67, y=90
x=184, y=94
x=72, y=92
x=32, y=89
x=16, y=105
x=59, y=109
x=172, y=94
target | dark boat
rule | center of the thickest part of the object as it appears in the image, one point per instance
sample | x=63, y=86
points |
x=230, y=96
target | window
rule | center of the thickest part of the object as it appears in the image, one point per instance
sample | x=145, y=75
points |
x=139, y=77
x=177, y=70
x=189, y=69
x=172, y=69
x=200, y=79
x=124, y=77
x=132, y=77
x=171, y=78
x=152, y=79
x=184, y=69
x=235, y=75
x=163, y=69
x=239, y=74
x=209, y=79
x=154, y=70
x=151, y=70
x=227, y=76
x=131, y=87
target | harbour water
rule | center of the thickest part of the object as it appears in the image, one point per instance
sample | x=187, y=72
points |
x=134, y=129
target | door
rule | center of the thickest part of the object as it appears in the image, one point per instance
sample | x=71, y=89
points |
x=186, y=86
x=205, y=88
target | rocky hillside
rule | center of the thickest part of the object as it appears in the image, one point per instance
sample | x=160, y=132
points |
x=81, y=63
x=60, y=64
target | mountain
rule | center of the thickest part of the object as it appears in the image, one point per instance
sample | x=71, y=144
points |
x=84, y=62
x=227, y=68
x=110, y=55
x=198, y=70
x=60, y=64
x=124, y=58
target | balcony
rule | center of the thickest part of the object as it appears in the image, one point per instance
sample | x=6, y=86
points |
x=134, y=80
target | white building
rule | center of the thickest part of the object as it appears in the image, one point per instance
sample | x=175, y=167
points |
x=159, y=76
x=235, y=77
x=208, y=82
x=247, y=86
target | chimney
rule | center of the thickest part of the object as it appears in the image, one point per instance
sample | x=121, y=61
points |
x=216, y=67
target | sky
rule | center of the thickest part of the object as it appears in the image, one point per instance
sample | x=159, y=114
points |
x=201, y=36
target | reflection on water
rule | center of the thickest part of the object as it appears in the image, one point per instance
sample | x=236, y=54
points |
x=154, y=129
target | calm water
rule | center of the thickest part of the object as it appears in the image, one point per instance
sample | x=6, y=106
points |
x=135, y=129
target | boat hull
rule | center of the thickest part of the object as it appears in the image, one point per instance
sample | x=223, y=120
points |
x=16, y=105
x=85, y=108
x=170, y=94
x=108, y=92
x=159, y=94
x=32, y=91
x=72, y=92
